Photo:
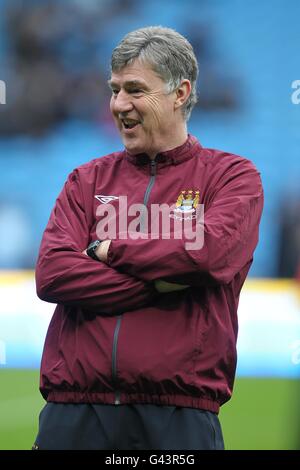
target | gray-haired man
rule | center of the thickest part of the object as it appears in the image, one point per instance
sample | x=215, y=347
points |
x=141, y=350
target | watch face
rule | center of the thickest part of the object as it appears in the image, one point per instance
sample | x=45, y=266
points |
x=94, y=244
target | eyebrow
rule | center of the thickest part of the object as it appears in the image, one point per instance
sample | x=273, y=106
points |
x=128, y=84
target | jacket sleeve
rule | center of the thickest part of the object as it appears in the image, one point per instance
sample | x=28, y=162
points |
x=230, y=235
x=64, y=275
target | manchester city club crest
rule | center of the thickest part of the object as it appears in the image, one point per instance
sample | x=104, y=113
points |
x=186, y=204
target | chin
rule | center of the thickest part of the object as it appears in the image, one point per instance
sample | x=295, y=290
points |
x=133, y=149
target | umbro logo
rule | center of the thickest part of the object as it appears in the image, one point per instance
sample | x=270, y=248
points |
x=105, y=199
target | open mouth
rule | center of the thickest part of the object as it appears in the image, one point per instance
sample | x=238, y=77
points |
x=130, y=124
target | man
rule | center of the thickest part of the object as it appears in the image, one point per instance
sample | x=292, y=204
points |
x=141, y=350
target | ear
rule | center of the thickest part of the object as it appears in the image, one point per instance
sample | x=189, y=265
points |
x=182, y=93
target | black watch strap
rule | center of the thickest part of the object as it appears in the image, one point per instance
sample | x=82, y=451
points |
x=92, y=248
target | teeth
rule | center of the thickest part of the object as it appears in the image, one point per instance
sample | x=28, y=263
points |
x=130, y=124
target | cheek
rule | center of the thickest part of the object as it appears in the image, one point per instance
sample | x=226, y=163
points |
x=156, y=113
x=159, y=109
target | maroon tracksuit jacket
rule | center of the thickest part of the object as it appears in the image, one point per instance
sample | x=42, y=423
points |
x=113, y=338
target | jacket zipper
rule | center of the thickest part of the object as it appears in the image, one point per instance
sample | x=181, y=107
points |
x=148, y=192
x=151, y=182
x=118, y=325
x=114, y=361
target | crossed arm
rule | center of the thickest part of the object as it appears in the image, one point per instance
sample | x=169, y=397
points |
x=161, y=286
x=131, y=273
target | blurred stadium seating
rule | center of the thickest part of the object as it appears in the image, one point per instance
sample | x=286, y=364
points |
x=54, y=60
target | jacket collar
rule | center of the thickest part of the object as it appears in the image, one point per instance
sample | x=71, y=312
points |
x=171, y=157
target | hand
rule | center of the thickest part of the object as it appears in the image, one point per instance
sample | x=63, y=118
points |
x=102, y=250
x=164, y=287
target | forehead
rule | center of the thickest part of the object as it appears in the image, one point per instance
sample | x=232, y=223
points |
x=136, y=73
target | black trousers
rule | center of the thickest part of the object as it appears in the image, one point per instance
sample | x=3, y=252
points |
x=127, y=427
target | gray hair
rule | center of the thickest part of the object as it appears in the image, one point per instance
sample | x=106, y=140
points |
x=168, y=53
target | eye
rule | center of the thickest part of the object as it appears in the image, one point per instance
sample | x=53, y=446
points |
x=114, y=91
x=135, y=91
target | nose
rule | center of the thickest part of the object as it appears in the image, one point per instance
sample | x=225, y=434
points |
x=121, y=103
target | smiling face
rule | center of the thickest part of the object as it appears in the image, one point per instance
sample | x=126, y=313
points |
x=148, y=118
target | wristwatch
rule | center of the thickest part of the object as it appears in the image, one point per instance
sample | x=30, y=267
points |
x=90, y=251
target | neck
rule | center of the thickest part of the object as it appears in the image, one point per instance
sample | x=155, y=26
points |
x=178, y=138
